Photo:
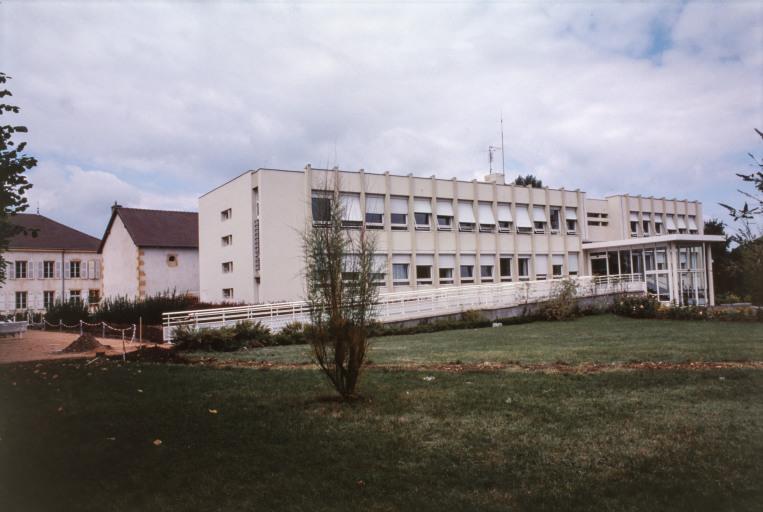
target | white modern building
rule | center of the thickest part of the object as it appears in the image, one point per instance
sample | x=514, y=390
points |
x=434, y=232
x=149, y=252
x=50, y=263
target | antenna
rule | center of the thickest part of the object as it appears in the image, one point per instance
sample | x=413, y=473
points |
x=503, y=158
x=490, y=151
x=38, y=207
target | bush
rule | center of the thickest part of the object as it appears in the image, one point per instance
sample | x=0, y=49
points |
x=123, y=310
x=563, y=305
x=67, y=312
x=641, y=306
x=223, y=339
x=293, y=333
x=649, y=307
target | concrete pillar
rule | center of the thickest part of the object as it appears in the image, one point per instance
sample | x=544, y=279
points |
x=709, y=273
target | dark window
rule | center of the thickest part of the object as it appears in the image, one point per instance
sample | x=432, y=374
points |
x=321, y=211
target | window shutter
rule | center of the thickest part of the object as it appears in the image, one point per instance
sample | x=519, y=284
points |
x=58, y=270
x=523, y=217
x=375, y=204
x=539, y=213
x=573, y=261
x=541, y=264
x=30, y=269
x=486, y=213
x=40, y=270
x=83, y=269
x=466, y=212
x=425, y=259
x=422, y=205
x=97, y=274
x=447, y=260
x=445, y=207
x=91, y=269
x=11, y=270
x=68, y=270
x=398, y=205
x=504, y=213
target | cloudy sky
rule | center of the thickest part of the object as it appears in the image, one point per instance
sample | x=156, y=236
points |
x=153, y=103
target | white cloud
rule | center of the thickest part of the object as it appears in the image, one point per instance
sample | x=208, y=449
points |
x=171, y=99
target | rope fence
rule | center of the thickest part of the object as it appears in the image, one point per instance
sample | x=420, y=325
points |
x=81, y=325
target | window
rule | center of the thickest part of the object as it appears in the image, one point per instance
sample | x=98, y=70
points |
x=225, y=214
x=571, y=216
x=693, y=229
x=487, y=262
x=670, y=224
x=662, y=259
x=226, y=240
x=422, y=213
x=48, y=298
x=227, y=267
x=380, y=269
x=539, y=219
x=48, y=269
x=467, y=268
x=400, y=268
x=524, y=268
x=524, y=225
x=93, y=296
x=572, y=263
x=74, y=269
x=172, y=260
x=541, y=267
x=321, y=208
x=447, y=264
x=227, y=293
x=597, y=219
x=637, y=265
x=466, y=220
x=681, y=220
x=557, y=266
x=398, y=212
x=444, y=214
x=504, y=264
x=613, y=263
x=424, y=274
x=351, y=217
x=555, y=216
x=634, y=224
x=657, y=223
x=487, y=220
x=374, y=212
x=646, y=223
x=504, y=218
x=21, y=270
x=599, y=263
x=625, y=262
x=75, y=296
x=21, y=300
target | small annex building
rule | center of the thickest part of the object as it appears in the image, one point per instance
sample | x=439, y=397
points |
x=150, y=252
x=47, y=263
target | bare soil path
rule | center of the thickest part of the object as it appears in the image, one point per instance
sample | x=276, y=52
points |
x=46, y=345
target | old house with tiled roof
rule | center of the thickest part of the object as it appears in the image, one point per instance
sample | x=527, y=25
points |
x=47, y=263
x=149, y=252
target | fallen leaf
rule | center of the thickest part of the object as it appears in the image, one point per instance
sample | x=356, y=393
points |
x=360, y=484
x=140, y=391
x=61, y=408
x=212, y=411
x=157, y=442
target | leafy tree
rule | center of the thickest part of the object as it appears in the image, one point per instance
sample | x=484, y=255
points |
x=753, y=205
x=528, y=181
x=341, y=292
x=723, y=266
x=13, y=163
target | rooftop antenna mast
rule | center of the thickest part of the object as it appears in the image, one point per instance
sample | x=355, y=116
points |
x=490, y=151
x=503, y=158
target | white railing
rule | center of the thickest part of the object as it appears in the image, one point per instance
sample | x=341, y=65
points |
x=397, y=306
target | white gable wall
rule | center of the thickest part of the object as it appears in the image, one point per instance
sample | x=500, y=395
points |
x=120, y=263
x=160, y=276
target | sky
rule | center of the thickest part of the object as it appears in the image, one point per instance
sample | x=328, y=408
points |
x=152, y=104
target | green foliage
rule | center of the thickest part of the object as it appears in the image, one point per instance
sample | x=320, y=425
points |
x=224, y=339
x=13, y=182
x=473, y=317
x=528, y=181
x=649, y=307
x=563, y=305
x=293, y=333
x=67, y=312
x=638, y=306
x=753, y=205
x=123, y=310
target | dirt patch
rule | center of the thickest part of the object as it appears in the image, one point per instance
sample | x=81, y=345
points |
x=85, y=343
x=155, y=354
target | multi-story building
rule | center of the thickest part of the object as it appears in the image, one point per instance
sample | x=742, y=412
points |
x=434, y=232
x=150, y=252
x=51, y=262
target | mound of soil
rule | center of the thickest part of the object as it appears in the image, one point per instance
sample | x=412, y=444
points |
x=85, y=343
x=155, y=355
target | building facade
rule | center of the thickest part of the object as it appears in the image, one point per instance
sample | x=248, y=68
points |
x=150, y=252
x=50, y=263
x=434, y=232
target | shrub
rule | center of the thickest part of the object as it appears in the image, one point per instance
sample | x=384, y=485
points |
x=473, y=318
x=67, y=312
x=293, y=333
x=223, y=339
x=641, y=306
x=563, y=304
x=123, y=310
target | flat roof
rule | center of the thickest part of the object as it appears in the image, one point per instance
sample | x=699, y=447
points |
x=660, y=239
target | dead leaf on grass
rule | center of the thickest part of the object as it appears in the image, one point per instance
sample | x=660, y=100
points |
x=212, y=411
x=157, y=442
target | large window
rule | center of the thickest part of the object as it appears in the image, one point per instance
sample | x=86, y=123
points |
x=487, y=220
x=598, y=263
x=444, y=214
x=539, y=219
x=400, y=265
x=398, y=212
x=321, y=207
x=21, y=270
x=505, y=268
x=555, y=218
x=374, y=211
x=424, y=263
x=422, y=213
x=466, y=221
x=48, y=298
x=467, y=268
x=447, y=262
x=75, y=296
x=351, y=216
x=681, y=221
x=505, y=221
x=21, y=300
x=48, y=269
x=74, y=269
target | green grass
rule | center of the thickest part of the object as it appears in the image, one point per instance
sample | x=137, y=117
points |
x=603, y=339
x=502, y=440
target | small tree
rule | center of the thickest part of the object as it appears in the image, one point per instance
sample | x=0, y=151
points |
x=528, y=181
x=13, y=164
x=340, y=289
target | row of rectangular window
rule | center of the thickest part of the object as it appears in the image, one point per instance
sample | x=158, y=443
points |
x=50, y=269
x=673, y=224
x=49, y=298
x=444, y=215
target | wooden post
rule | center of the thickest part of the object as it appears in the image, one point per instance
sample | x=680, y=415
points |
x=124, y=352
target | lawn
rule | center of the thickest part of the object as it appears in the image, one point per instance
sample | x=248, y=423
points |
x=601, y=338
x=77, y=437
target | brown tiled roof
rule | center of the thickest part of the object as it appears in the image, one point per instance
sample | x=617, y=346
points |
x=157, y=228
x=51, y=235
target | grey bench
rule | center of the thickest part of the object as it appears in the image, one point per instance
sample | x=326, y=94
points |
x=13, y=328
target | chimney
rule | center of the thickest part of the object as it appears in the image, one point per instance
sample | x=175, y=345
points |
x=115, y=207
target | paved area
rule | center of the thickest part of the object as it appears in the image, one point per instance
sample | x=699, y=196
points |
x=43, y=345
